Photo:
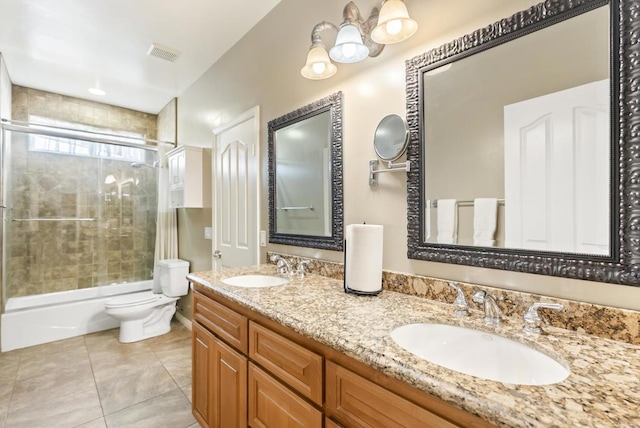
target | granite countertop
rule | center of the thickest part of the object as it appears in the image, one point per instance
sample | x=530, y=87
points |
x=603, y=388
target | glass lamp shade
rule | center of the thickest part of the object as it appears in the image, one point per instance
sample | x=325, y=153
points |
x=394, y=23
x=318, y=65
x=349, y=47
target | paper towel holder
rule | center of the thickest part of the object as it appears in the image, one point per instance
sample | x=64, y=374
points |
x=351, y=290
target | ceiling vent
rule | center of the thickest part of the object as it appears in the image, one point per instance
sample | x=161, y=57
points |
x=163, y=52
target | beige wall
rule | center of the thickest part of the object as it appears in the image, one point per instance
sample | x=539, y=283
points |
x=5, y=90
x=264, y=69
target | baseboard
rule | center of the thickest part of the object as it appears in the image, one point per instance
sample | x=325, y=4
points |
x=183, y=320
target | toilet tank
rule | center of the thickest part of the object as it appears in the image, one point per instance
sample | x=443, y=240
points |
x=173, y=273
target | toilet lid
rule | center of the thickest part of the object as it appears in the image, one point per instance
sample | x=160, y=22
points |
x=134, y=299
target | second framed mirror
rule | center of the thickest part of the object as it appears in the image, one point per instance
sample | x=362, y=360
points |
x=305, y=176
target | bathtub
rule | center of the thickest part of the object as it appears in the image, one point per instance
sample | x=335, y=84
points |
x=32, y=320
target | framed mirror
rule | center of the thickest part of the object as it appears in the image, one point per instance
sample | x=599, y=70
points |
x=305, y=176
x=391, y=138
x=536, y=114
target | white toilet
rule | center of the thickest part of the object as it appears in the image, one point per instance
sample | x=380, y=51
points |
x=147, y=314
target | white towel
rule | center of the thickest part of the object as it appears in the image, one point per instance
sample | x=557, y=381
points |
x=485, y=219
x=447, y=221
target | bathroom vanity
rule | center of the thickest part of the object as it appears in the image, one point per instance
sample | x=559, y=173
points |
x=307, y=354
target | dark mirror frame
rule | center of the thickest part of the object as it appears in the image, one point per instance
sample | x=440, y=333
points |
x=622, y=266
x=333, y=104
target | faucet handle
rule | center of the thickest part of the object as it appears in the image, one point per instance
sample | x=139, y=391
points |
x=479, y=296
x=532, y=319
x=282, y=266
x=460, y=303
x=300, y=269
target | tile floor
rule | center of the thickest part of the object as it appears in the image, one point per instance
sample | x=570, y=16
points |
x=94, y=381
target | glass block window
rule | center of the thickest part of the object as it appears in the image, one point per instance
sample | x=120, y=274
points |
x=79, y=147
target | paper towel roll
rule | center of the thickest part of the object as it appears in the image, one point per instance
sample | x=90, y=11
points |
x=363, y=259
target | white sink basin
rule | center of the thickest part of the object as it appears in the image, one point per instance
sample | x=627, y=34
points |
x=479, y=354
x=255, y=281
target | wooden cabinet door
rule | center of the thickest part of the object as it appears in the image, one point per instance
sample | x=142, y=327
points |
x=229, y=404
x=202, y=357
x=357, y=402
x=273, y=405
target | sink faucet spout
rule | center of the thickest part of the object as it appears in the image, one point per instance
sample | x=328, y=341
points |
x=492, y=312
x=282, y=265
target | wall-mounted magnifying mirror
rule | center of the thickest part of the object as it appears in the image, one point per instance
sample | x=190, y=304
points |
x=390, y=142
x=391, y=137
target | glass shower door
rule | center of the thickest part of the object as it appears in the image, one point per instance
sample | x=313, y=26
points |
x=79, y=214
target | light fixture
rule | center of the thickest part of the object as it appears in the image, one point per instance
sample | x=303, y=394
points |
x=354, y=41
x=318, y=65
x=394, y=23
x=97, y=91
x=349, y=47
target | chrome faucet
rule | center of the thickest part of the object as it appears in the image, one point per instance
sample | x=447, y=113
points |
x=282, y=265
x=461, y=305
x=300, y=270
x=492, y=311
x=532, y=319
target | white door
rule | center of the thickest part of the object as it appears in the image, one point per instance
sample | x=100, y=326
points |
x=235, y=191
x=557, y=171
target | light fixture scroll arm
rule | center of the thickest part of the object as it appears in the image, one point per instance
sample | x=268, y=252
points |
x=316, y=36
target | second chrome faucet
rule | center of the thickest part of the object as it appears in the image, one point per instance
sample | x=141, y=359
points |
x=492, y=312
x=285, y=267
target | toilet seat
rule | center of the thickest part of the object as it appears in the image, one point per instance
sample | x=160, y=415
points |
x=134, y=299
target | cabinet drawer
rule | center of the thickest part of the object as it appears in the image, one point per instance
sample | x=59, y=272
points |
x=357, y=402
x=273, y=405
x=227, y=324
x=296, y=366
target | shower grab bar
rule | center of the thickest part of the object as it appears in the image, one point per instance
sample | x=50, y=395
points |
x=311, y=208
x=55, y=219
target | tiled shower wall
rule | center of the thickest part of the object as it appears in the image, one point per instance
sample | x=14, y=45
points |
x=32, y=102
x=114, y=239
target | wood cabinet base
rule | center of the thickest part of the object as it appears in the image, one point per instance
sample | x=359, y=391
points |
x=286, y=383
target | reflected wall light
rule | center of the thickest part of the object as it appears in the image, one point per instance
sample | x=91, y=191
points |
x=355, y=40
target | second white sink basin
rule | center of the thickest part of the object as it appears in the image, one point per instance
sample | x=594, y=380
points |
x=255, y=281
x=479, y=354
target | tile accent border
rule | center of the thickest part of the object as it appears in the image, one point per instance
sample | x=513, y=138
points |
x=602, y=321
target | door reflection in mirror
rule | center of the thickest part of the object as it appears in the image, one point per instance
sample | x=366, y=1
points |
x=526, y=121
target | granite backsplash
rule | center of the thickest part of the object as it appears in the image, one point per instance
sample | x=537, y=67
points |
x=601, y=321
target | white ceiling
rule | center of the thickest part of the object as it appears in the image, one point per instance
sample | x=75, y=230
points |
x=69, y=46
